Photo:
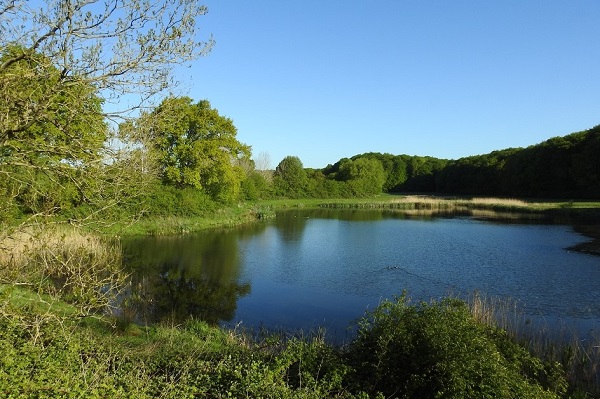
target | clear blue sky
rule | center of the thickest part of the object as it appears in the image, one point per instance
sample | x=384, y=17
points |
x=327, y=79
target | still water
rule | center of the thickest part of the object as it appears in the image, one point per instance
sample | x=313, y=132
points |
x=310, y=269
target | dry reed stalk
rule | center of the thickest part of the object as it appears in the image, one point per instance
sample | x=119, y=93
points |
x=77, y=266
x=499, y=201
x=419, y=199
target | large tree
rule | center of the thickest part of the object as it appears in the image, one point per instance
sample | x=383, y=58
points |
x=43, y=163
x=194, y=146
x=65, y=67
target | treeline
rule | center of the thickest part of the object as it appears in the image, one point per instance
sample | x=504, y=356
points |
x=183, y=158
x=565, y=167
x=561, y=167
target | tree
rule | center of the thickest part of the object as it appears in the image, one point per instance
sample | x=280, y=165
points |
x=45, y=162
x=194, y=145
x=119, y=47
x=365, y=175
x=290, y=177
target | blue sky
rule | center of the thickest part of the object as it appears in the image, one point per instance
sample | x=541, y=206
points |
x=328, y=79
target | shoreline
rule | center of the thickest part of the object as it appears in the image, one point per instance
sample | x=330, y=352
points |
x=583, y=217
x=591, y=247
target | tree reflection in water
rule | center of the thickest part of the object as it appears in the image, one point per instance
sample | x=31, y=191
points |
x=175, y=278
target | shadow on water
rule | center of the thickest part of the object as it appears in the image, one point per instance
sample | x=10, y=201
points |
x=179, y=277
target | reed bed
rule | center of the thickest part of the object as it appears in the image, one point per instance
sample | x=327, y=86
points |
x=579, y=356
x=508, y=202
x=421, y=205
x=66, y=263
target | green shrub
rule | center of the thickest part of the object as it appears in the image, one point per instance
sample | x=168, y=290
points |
x=311, y=365
x=438, y=350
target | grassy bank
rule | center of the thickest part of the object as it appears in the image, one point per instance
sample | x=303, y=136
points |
x=402, y=350
x=248, y=212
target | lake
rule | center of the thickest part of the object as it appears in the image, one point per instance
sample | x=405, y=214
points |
x=323, y=268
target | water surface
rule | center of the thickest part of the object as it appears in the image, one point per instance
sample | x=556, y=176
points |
x=309, y=269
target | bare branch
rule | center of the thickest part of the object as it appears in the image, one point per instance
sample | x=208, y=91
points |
x=118, y=46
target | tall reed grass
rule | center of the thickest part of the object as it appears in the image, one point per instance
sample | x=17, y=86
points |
x=579, y=356
x=66, y=263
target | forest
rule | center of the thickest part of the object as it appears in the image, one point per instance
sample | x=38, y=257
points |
x=565, y=167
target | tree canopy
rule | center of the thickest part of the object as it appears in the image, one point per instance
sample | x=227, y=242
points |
x=119, y=47
x=290, y=178
x=194, y=146
x=365, y=175
x=51, y=149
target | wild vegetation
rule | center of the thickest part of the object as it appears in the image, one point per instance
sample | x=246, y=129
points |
x=90, y=147
x=403, y=350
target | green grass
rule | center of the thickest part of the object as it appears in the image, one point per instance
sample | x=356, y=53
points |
x=223, y=217
x=252, y=211
x=422, y=350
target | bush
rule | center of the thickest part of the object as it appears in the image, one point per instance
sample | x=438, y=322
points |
x=163, y=200
x=439, y=351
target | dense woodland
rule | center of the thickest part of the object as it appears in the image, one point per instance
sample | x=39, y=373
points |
x=563, y=167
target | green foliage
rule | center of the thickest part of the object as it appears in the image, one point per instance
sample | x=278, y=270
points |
x=400, y=173
x=434, y=350
x=364, y=175
x=255, y=186
x=195, y=146
x=49, y=151
x=42, y=105
x=311, y=365
x=290, y=178
x=69, y=360
x=439, y=351
x=477, y=175
x=566, y=167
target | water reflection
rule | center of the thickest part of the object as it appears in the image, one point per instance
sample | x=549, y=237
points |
x=371, y=215
x=311, y=268
x=184, y=276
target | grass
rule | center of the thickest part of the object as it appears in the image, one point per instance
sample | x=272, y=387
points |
x=224, y=217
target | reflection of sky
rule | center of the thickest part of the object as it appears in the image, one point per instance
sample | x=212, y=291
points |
x=309, y=271
x=333, y=269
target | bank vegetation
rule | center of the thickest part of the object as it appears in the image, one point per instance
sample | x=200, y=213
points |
x=93, y=146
